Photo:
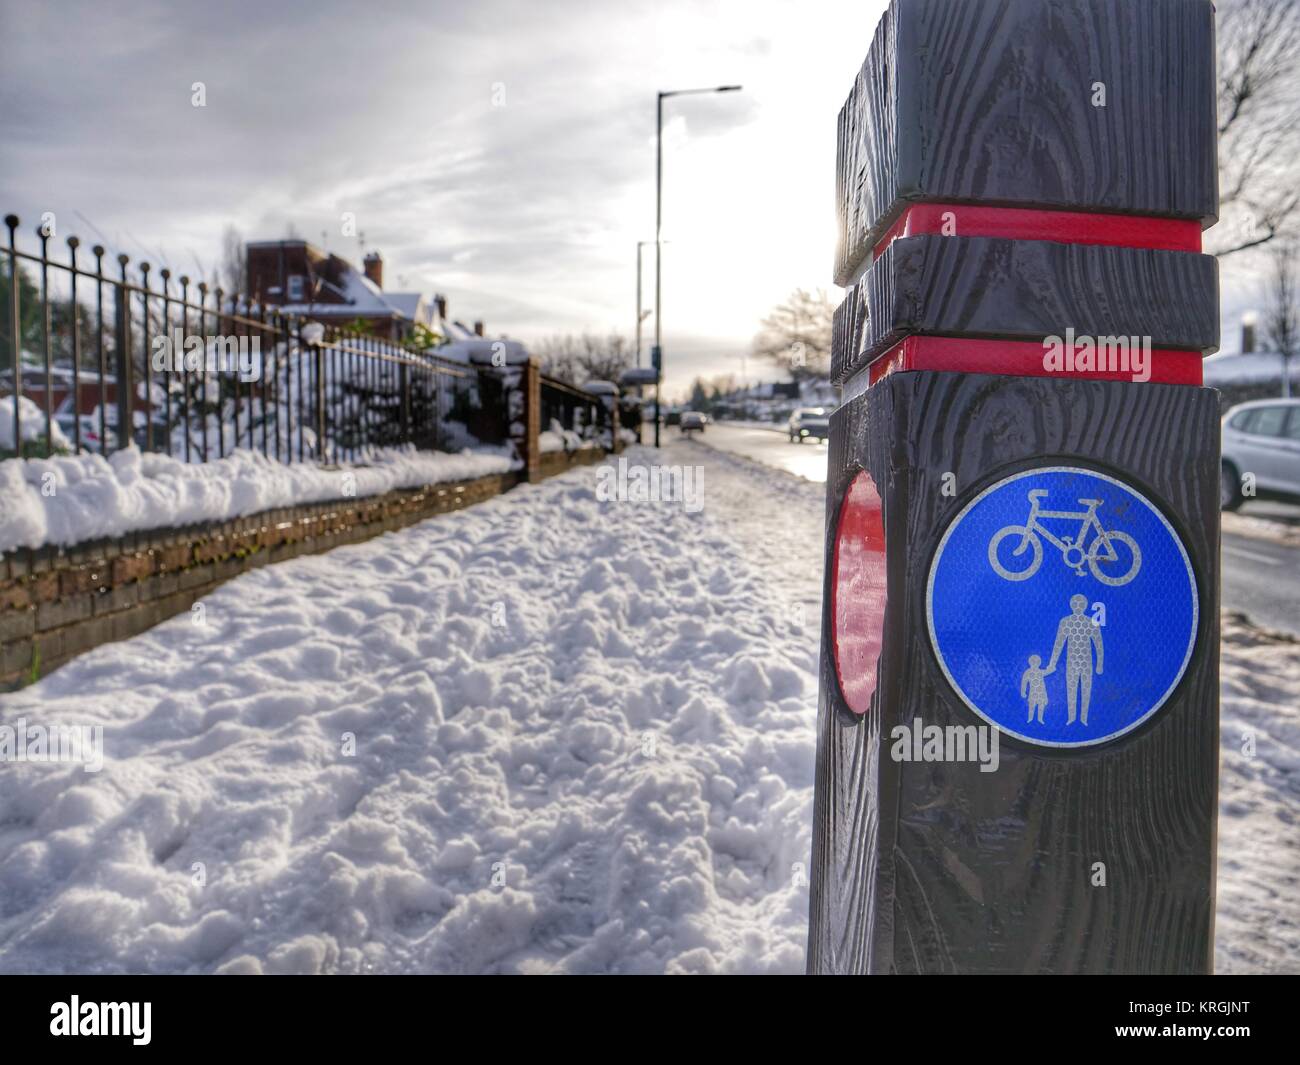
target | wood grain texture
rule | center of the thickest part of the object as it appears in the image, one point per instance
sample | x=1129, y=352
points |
x=866, y=156
x=935, y=867
x=1025, y=290
x=991, y=101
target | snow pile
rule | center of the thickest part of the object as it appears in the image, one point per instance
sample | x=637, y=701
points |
x=32, y=421
x=1258, y=922
x=73, y=498
x=557, y=438
x=550, y=440
x=541, y=734
x=583, y=742
x=1260, y=528
x=1251, y=367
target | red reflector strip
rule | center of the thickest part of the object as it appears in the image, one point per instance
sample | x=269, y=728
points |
x=1025, y=358
x=1063, y=227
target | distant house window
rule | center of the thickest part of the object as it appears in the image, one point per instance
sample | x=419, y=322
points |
x=295, y=288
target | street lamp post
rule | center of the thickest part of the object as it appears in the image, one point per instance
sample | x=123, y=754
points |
x=641, y=315
x=659, y=218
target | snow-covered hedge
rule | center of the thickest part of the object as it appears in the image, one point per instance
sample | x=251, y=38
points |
x=70, y=499
x=33, y=425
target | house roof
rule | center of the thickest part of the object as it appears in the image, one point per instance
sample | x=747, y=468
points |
x=362, y=298
x=481, y=350
x=410, y=305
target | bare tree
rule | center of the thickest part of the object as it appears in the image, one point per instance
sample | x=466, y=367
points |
x=1259, y=123
x=588, y=357
x=234, y=264
x=796, y=335
x=1282, y=307
x=722, y=384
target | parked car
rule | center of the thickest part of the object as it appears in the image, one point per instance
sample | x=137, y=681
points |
x=65, y=419
x=810, y=422
x=692, y=421
x=1261, y=438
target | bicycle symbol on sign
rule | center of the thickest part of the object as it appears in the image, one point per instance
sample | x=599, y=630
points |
x=1101, y=553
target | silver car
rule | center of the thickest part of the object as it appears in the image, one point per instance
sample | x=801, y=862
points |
x=1261, y=439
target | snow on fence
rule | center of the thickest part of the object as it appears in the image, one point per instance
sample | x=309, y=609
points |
x=188, y=370
x=575, y=417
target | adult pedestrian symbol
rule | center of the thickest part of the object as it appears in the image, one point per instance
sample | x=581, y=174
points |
x=1062, y=606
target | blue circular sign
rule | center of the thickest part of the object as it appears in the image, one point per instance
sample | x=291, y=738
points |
x=1062, y=606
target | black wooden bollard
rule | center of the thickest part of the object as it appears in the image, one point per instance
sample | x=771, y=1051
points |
x=1018, y=727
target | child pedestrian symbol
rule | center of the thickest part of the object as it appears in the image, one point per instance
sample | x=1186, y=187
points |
x=1034, y=688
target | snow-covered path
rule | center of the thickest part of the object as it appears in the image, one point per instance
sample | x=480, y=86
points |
x=583, y=742
x=1258, y=915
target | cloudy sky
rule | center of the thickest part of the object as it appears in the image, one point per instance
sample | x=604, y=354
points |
x=499, y=152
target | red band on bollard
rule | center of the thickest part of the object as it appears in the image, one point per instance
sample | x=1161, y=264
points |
x=1062, y=227
x=1027, y=358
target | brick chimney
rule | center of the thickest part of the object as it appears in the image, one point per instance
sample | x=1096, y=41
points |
x=441, y=302
x=478, y=329
x=375, y=268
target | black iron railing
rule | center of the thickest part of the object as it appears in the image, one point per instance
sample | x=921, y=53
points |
x=172, y=365
x=573, y=409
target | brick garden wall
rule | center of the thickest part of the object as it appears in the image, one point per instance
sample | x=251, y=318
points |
x=56, y=603
x=552, y=462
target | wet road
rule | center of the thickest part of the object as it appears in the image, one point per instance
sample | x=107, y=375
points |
x=772, y=448
x=1261, y=573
